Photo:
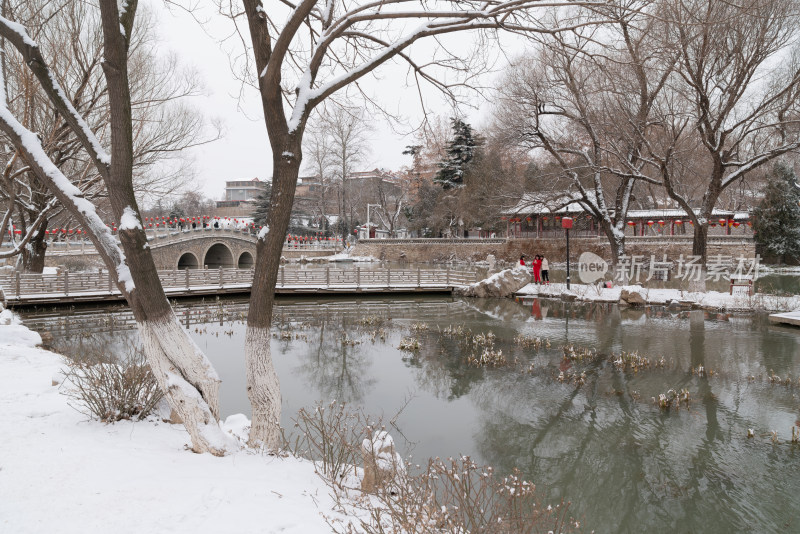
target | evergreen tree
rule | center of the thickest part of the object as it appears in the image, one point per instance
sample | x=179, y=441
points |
x=261, y=213
x=777, y=218
x=460, y=152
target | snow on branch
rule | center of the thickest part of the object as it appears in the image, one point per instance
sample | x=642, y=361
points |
x=16, y=34
x=29, y=233
x=66, y=192
x=345, y=26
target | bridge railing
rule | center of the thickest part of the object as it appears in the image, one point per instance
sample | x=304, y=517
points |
x=19, y=285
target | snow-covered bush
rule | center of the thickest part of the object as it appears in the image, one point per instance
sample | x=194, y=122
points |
x=111, y=390
x=331, y=436
x=459, y=496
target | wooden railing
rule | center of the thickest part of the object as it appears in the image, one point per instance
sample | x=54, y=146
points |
x=20, y=287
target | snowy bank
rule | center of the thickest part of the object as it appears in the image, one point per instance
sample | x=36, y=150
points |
x=62, y=473
x=710, y=300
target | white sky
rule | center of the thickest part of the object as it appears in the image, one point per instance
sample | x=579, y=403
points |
x=244, y=152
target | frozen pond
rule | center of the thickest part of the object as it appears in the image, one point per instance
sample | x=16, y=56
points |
x=624, y=463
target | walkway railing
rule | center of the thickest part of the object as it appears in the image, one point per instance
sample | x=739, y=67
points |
x=70, y=287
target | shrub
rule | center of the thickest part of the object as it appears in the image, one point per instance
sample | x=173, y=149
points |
x=112, y=389
x=459, y=497
x=330, y=435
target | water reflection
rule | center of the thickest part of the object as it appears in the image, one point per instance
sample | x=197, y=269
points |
x=624, y=463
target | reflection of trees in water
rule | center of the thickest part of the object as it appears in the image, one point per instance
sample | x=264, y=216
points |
x=79, y=344
x=339, y=370
x=441, y=367
x=626, y=464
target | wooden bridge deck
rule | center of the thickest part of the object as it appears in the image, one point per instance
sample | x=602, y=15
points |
x=71, y=288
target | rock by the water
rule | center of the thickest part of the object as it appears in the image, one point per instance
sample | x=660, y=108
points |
x=633, y=295
x=502, y=284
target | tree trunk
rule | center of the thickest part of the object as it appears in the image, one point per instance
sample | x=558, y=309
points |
x=263, y=388
x=33, y=254
x=700, y=249
x=187, y=378
x=700, y=240
x=617, y=246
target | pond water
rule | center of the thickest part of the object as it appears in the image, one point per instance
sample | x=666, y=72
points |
x=624, y=463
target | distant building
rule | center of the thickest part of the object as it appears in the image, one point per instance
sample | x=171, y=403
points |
x=244, y=189
x=240, y=197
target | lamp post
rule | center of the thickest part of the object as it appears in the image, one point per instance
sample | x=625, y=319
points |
x=566, y=224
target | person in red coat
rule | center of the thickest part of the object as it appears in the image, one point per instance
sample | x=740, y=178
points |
x=537, y=269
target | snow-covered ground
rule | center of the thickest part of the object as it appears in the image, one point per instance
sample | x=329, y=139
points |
x=715, y=300
x=61, y=473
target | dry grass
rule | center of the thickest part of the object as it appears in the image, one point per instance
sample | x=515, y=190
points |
x=110, y=389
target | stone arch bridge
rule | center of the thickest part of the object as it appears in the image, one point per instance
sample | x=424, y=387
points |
x=214, y=248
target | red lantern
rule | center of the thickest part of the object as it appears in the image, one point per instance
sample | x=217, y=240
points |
x=722, y=222
x=528, y=219
x=661, y=223
x=679, y=221
x=650, y=223
x=631, y=223
x=749, y=223
x=730, y=222
x=736, y=224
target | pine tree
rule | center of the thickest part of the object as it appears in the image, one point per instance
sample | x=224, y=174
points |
x=777, y=218
x=460, y=152
x=261, y=213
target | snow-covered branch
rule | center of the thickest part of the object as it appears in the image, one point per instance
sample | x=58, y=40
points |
x=27, y=47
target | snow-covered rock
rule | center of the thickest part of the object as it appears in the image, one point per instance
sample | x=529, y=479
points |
x=382, y=462
x=633, y=296
x=502, y=284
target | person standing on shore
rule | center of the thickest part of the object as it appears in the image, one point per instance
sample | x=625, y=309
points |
x=545, y=266
x=537, y=266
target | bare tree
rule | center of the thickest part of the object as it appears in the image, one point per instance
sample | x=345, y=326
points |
x=585, y=100
x=347, y=136
x=319, y=156
x=183, y=372
x=69, y=35
x=734, y=105
x=303, y=54
x=392, y=196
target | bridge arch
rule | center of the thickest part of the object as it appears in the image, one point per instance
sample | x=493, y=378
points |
x=218, y=255
x=188, y=261
x=245, y=260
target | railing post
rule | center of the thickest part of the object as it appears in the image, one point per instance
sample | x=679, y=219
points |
x=220, y=276
x=419, y=277
x=358, y=277
x=328, y=276
x=110, y=283
x=66, y=282
x=17, y=284
x=187, y=278
x=283, y=276
x=389, y=277
x=447, y=277
x=477, y=277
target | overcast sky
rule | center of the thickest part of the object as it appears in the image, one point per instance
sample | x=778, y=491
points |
x=243, y=152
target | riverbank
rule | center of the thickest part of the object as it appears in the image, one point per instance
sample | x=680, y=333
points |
x=60, y=472
x=709, y=300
